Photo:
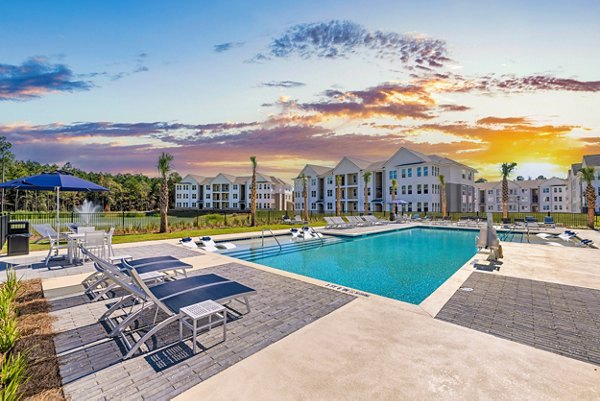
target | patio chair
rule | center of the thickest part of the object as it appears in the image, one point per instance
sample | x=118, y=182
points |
x=549, y=222
x=374, y=220
x=46, y=229
x=55, y=248
x=94, y=242
x=415, y=217
x=168, y=297
x=72, y=227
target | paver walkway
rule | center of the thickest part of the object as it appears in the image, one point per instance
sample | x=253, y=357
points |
x=91, y=364
x=558, y=318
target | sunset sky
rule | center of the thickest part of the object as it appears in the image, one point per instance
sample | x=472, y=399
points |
x=109, y=85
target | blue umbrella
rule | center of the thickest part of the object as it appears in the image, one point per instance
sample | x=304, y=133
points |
x=59, y=181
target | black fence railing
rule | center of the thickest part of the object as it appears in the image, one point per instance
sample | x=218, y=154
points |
x=4, y=219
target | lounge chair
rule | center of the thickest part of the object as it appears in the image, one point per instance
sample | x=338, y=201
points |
x=415, y=217
x=154, y=269
x=168, y=297
x=355, y=221
x=341, y=223
x=330, y=223
x=208, y=244
x=298, y=220
x=374, y=220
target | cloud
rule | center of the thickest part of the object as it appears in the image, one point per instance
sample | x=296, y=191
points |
x=507, y=83
x=37, y=77
x=223, y=47
x=393, y=100
x=341, y=39
x=282, y=84
x=504, y=120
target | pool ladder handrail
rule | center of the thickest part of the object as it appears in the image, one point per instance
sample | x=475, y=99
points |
x=272, y=234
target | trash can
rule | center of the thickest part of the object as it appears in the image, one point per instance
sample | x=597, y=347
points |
x=18, y=238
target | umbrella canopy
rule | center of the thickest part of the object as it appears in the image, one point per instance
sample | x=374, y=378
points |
x=399, y=202
x=60, y=180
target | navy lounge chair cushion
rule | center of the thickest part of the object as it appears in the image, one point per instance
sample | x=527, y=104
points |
x=183, y=285
x=226, y=290
x=157, y=267
x=154, y=259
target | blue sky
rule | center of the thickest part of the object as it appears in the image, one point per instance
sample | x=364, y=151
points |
x=109, y=85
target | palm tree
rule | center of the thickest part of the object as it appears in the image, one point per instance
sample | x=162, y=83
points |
x=367, y=178
x=588, y=175
x=505, y=170
x=338, y=195
x=164, y=166
x=442, y=180
x=253, y=192
x=4, y=151
x=394, y=189
x=305, y=197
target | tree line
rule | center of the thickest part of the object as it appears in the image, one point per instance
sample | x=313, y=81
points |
x=126, y=191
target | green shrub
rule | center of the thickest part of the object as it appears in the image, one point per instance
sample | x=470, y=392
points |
x=12, y=376
x=11, y=286
x=9, y=333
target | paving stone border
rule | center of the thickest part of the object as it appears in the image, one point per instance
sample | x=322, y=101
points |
x=91, y=365
x=558, y=318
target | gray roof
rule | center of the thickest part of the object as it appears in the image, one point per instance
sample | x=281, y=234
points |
x=591, y=160
x=360, y=163
x=376, y=165
x=576, y=167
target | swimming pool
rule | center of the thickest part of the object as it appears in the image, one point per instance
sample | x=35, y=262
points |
x=407, y=265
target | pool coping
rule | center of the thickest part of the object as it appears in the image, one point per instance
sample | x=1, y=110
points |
x=430, y=306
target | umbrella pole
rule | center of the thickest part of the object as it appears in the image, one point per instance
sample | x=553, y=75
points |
x=57, y=215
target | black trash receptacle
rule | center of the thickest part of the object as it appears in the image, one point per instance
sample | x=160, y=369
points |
x=18, y=238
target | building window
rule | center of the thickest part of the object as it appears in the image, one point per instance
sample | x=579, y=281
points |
x=330, y=192
x=425, y=171
x=419, y=188
x=329, y=206
x=313, y=194
x=410, y=190
x=393, y=174
x=313, y=182
x=409, y=172
x=425, y=188
x=313, y=206
x=330, y=180
x=418, y=171
x=403, y=189
x=403, y=173
x=235, y=196
x=418, y=206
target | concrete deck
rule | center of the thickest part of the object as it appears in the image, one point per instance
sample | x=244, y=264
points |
x=379, y=348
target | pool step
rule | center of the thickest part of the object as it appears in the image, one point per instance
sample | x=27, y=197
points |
x=272, y=250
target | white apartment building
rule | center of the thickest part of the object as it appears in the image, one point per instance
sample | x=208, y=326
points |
x=418, y=184
x=228, y=192
x=577, y=185
x=549, y=195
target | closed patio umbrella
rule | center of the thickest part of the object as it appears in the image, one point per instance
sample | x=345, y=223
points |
x=59, y=181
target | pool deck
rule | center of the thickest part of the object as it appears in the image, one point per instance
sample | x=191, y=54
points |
x=378, y=348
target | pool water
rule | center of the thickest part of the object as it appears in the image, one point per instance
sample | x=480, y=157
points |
x=407, y=265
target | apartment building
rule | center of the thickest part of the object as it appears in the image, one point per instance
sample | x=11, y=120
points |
x=541, y=195
x=418, y=184
x=228, y=192
x=577, y=185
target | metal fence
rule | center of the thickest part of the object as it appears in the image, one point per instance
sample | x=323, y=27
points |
x=3, y=229
x=125, y=222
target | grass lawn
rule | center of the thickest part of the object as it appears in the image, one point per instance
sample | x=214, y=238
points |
x=128, y=238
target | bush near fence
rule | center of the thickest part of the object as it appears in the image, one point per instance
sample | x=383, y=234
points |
x=142, y=222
